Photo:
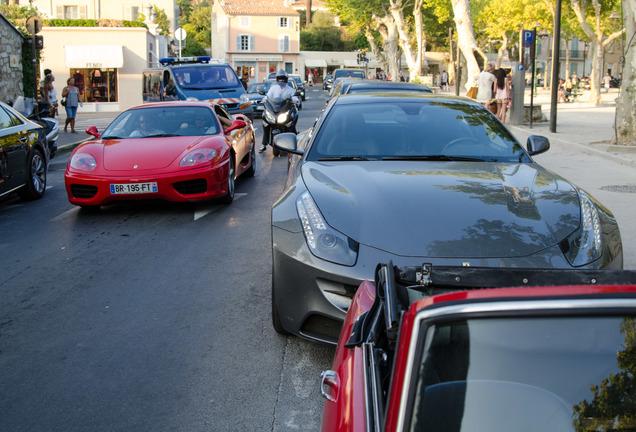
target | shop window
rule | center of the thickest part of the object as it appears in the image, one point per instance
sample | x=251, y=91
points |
x=96, y=85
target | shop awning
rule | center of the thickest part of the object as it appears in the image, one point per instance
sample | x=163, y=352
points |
x=352, y=64
x=315, y=63
x=94, y=56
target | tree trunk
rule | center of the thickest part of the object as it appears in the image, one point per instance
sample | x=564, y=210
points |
x=466, y=38
x=626, y=103
x=377, y=52
x=413, y=59
x=387, y=28
x=599, y=41
x=308, y=12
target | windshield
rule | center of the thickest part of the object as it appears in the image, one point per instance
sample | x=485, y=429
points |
x=163, y=121
x=417, y=129
x=532, y=374
x=349, y=73
x=205, y=77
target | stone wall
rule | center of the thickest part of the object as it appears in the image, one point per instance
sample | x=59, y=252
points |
x=10, y=62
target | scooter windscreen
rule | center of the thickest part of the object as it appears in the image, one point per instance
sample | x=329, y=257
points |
x=277, y=104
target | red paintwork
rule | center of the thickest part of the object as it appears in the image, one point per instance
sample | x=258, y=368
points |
x=347, y=413
x=157, y=160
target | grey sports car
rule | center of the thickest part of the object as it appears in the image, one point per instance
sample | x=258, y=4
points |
x=417, y=178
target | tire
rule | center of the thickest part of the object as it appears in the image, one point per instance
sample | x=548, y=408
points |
x=252, y=169
x=231, y=183
x=36, y=181
x=276, y=152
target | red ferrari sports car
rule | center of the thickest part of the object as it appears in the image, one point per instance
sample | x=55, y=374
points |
x=428, y=349
x=175, y=151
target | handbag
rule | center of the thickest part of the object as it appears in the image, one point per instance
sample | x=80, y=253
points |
x=472, y=92
x=63, y=101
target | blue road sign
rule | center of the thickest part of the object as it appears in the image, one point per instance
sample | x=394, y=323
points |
x=528, y=37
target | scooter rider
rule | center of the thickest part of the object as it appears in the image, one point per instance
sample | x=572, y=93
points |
x=283, y=91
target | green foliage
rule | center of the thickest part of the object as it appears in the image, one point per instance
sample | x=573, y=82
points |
x=28, y=84
x=161, y=19
x=324, y=39
x=196, y=22
x=15, y=12
x=91, y=23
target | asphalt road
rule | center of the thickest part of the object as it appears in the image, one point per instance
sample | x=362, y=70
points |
x=150, y=317
x=156, y=317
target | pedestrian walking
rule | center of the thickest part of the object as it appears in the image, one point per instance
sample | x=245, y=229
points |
x=502, y=94
x=50, y=94
x=485, y=82
x=444, y=79
x=71, y=93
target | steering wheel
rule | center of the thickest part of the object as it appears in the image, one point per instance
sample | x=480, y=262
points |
x=461, y=141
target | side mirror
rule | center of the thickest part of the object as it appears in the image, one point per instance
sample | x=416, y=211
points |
x=287, y=142
x=92, y=130
x=537, y=144
x=236, y=124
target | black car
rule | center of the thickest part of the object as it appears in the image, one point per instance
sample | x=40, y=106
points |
x=414, y=178
x=23, y=155
x=300, y=84
x=328, y=83
x=356, y=85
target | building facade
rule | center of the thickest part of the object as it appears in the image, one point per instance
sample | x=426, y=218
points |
x=106, y=62
x=10, y=60
x=256, y=36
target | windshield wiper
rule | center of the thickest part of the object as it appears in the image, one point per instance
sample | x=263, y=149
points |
x=344, y=158
x=162, y=135
x=435, y=158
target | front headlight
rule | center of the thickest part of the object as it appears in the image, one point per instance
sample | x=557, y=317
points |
x=269, y=117
x=198, y=156
x=323, y=241
x=585, y=245
x=83, y=162
x=244, y=99
x=282, y=118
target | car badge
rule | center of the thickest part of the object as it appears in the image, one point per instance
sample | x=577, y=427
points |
x=135, y=167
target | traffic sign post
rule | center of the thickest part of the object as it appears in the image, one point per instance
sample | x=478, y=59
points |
x=180, y=34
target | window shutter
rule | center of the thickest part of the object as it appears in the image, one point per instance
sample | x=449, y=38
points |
x=251, y=42
x=127, y=13
x=82, y=12
x=238, y=43
x=59, y=12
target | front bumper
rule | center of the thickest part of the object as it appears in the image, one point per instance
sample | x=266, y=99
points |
x=183, y=186
x=312, y=295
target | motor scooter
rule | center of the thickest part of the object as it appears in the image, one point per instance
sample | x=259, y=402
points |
x=51, y=126
x=281, y=115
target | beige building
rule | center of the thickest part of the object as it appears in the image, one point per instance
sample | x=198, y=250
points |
x=106, y=62
x=256, y=36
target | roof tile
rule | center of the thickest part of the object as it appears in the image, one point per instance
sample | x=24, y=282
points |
x=257, y=7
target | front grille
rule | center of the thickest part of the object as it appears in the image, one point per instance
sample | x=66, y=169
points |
x=83, y=191
x=190, y=187
x=231, y=106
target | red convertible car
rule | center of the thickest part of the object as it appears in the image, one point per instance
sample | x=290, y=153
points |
x=175, y=151
x=433, y=349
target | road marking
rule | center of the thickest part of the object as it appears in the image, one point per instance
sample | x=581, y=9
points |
x=206, y=209
x=64, y=215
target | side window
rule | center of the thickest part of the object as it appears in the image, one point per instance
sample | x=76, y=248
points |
x=5, y=119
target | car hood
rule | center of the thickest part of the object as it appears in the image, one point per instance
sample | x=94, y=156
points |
x=140, y=154
x=445, y=209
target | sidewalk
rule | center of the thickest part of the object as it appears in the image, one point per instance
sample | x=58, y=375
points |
x=583, y=125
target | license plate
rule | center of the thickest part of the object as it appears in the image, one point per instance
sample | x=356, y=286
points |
x=133, y=188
